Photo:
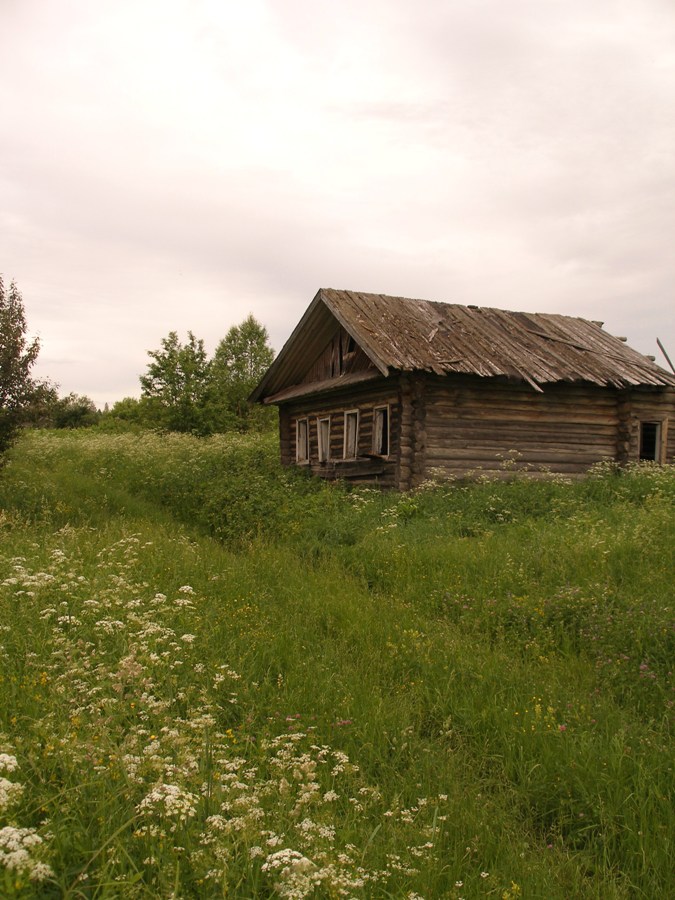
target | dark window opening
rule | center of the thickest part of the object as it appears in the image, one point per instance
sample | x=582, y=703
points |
x=650, y=434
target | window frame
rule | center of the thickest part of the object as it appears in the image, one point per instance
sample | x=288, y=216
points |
x=302, y=460
x=324, y=451
x=348, y=414
x=383, y=411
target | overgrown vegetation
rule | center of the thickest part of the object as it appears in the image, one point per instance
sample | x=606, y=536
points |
x=18, y=355
x=218, y=677
x=185, y=391
x=182, y=389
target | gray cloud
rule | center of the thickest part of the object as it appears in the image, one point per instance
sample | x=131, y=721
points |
x=177, y=165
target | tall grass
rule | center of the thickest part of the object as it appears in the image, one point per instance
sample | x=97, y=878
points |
x=218, y=677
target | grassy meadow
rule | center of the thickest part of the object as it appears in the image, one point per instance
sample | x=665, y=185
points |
x=218, y=678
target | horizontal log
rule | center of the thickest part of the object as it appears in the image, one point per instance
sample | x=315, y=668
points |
x=548, y=411
x=571, y=447
x=485, y=398
x=576, y=416
x=350, y=469
x=461, y=471
x=542, y=431
x=485, y=454
x=540, y=402
x=482, y=386
x=487, y=451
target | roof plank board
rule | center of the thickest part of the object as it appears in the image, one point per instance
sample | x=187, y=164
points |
x=405, y=335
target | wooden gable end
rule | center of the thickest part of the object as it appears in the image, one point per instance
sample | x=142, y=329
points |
x=341, y=356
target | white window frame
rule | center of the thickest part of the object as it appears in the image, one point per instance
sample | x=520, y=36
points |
x=380, y=414
x=351, y=415
x=324, y=443
x=302, y=445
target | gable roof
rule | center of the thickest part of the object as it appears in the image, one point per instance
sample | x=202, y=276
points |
x=399, y=334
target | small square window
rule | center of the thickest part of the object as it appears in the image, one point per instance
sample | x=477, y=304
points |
x=351, y=443
x=650, y=441
x=381, y=431
x=302, y=441
x=323, y=433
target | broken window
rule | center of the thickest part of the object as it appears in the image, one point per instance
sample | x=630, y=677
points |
x=351, y=444
x=381, y=431
x=323, y=432
x=302, y=441
x=650, y=441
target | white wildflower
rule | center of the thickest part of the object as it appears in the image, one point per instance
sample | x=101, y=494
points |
x=169, y=800
x=9, y=793
x=16, y=845
x=8, y=763
x=287, y=862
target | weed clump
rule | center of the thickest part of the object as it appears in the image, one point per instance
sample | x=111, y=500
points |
x=218, y=676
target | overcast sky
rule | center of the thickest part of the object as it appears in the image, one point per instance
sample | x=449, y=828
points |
x=178, y=164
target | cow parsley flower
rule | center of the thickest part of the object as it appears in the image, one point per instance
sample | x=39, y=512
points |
x=16, y=846
x=169, y=800
x=8, y=763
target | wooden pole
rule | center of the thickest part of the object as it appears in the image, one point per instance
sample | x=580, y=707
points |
x=663, y=350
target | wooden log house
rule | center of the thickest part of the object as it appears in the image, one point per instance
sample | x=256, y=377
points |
x=393, y=391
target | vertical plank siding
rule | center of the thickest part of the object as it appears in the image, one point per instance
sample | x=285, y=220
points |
x=340, y=357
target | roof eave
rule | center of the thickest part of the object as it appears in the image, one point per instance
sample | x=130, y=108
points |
x=256, y=396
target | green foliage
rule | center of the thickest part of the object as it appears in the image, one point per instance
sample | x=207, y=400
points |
x=175, y=385
x=38, y=412
x=17, y=357
x=75, y=411
x=464, y=691
x=240, y=361
x=184, y=391
x=47, y=410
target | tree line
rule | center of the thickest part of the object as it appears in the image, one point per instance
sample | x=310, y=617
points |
x=182, y=389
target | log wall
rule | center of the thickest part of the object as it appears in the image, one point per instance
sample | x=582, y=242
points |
x=412, y=456
x=647, y=406
x=464, y=426
x=365, y=399
x=495, y=427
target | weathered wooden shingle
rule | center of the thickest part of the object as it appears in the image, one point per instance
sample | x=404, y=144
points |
x=403, y=335
x=539, y=348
